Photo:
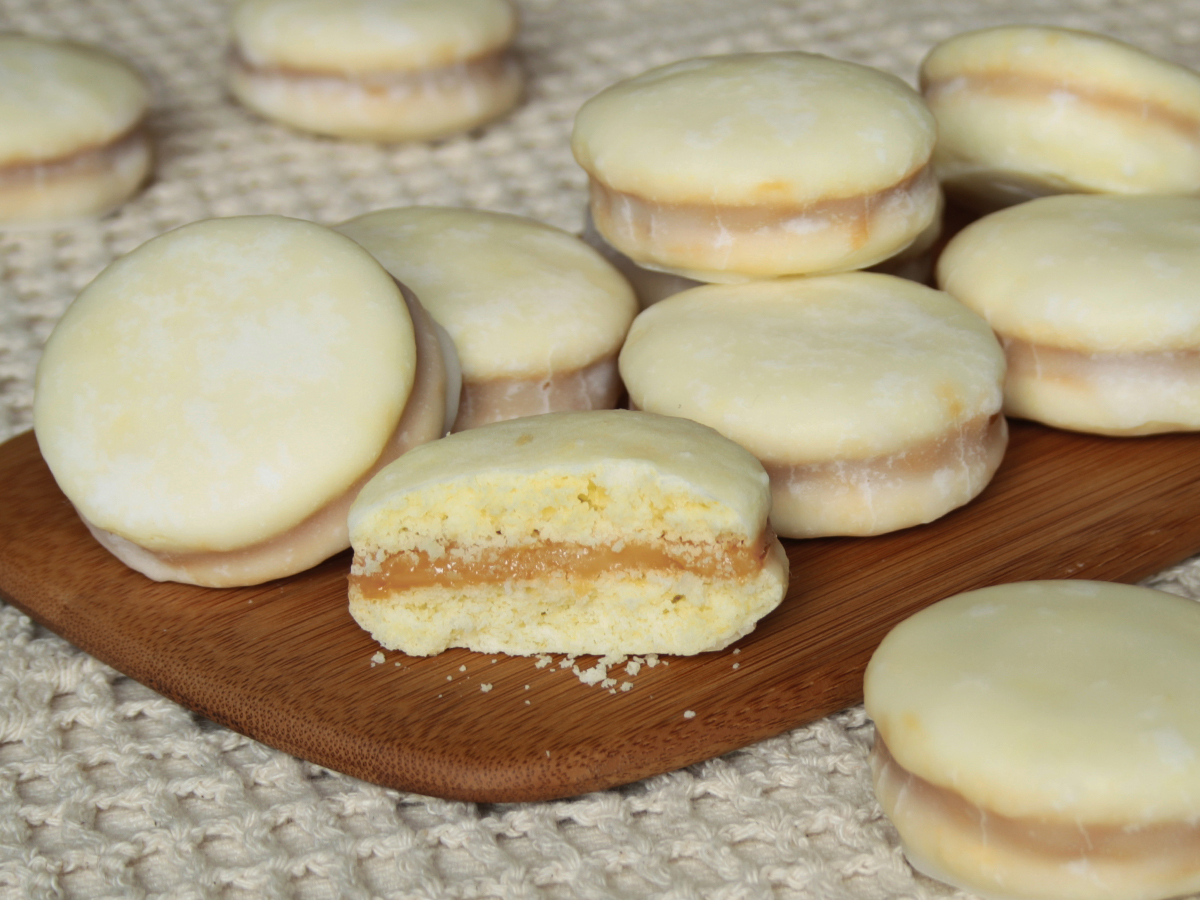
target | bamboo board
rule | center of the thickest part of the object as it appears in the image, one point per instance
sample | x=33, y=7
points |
x=284, y=662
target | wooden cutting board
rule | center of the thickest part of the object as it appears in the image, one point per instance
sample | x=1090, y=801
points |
x=284, y=663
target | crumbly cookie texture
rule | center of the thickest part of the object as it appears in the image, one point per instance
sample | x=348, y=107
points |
x=1042, y=740
x=606, y=532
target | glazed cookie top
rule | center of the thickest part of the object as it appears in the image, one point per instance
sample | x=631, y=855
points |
x=629, y=457
x=1067, y=701
x=223, y=381
x=803, y=370
x=765, y=129
x=58, y=99
x=519, y=298
x=366, y=36
x=1086, y=272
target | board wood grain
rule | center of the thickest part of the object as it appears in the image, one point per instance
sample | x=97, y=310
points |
x=284, y=663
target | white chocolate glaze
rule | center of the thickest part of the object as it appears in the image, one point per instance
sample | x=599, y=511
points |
x=58, y=99
x=346, y=37
x=521, y=300
x=222, y=382
x=1025, y=111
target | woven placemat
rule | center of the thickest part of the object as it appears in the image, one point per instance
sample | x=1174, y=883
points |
x=109, y=790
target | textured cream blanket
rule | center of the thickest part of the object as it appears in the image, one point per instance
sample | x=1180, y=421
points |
x=108, y=790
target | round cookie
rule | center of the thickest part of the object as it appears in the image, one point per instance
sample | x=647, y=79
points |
x=1024, y=111
x=608, y=532
x=73, y=142
x=536, y=315
x=1041, y=741
x=212, y=402
x=751, y=166
x=1096, y=300
x=380, y=70
x=872, y=401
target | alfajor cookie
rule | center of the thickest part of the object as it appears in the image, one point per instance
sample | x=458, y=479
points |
x=380, y=70
x=872, y=401
x=73, y=141
x=537, y=317
x=212, y=402
x=608, y=532
x=1025, y=111
x=751, y=166
x=1096, y=300
x=1041, y=741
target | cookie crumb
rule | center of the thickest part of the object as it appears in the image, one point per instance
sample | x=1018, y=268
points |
x=485, y=688
x=689, y=714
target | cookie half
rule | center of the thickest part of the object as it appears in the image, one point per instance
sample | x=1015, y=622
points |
x=605, y=532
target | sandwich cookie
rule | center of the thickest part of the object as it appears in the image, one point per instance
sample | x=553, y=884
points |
x=537, y=316
x=605, y=532
x=751, y=166
x=379, y=70
x=1024, y=111
x=73, y=142
x=1096, y=300
x=213, y=401
x=1041, y=741
x=872, y=401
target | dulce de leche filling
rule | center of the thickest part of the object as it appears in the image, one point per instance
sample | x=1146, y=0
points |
x=484, y=69
x=951, y=449
x=1042, y=361
x=87, y=161
x=631, y=222
x=324, y=533
x=728, y=559
x=1174, y=845
x=1136, y=106
x=595, y=386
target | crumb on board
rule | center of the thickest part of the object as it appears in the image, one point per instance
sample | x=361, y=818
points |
x=485, y=688
x=462, y=668
x=689, y=714
x=737, y=665
x=378, y=658
x=543, y=661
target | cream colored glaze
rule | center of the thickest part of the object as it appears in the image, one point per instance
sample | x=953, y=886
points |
x=597, y=386
x=874, y=496
x=89, y=183
x=1118, y=394
x=383, y=106
x=727, y=243
x=978, y=850
x=176, y=424
x=523, y=301
x=736, y=560
x=347, y=37
x=324, y=533
x=1026, y=111
x=59, y=98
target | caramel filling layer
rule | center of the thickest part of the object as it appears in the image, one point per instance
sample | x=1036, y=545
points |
x=485, y=68
x=324, y=533
x=596, y=386
x=854, y=214
x=950, y=449
x=89, y=160
x=730, y=559
x=1174, y=843
x=1002, y=84
x=1043, y=361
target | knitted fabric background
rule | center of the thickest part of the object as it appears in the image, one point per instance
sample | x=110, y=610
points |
x=109, y=790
